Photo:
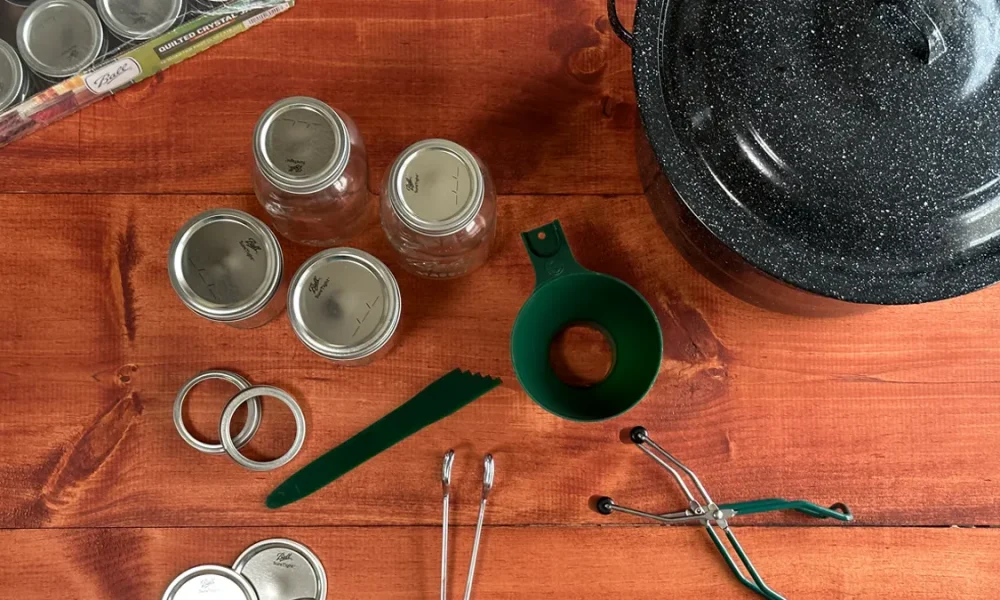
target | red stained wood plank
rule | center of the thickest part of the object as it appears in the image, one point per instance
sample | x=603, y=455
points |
x=536, y=562
x=889, y=411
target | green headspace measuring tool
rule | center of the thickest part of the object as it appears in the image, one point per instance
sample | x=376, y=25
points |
x=438, y=400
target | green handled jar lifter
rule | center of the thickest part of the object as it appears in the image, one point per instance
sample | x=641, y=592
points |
x=712, y=516
x=567, y=294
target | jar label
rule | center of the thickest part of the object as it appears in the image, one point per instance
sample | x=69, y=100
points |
x=113, y=76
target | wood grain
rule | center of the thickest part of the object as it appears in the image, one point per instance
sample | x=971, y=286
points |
x=892, y=411
x=525, y=563
x=889, y=411
x=541, y=90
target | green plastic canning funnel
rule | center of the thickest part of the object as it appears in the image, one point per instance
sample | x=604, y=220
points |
x=567, y=294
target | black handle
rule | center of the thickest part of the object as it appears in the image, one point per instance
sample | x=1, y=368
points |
x=917, y=15
x=616, y=24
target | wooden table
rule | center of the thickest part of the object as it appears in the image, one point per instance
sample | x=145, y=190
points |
x=892, y=411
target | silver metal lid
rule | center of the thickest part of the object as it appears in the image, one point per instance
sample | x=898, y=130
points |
x=210, y=582
x=301, y=145
x=59, y=38
x=11, y=75
x=436, y=187
x=225, y=265
x=344, y=304
x=139, y=19
x=281, y=569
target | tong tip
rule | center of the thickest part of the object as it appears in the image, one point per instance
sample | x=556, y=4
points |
x=449, y=460
x=488, y=471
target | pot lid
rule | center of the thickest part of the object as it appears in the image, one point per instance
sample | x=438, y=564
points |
x=850, y=148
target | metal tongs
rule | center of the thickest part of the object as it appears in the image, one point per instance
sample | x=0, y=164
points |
x=488, y=470
x=712, y=515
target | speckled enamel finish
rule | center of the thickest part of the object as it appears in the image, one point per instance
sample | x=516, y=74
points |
x=813, y=140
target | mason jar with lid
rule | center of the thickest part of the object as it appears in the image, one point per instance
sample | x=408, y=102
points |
x=58, y=39
x=227, y=267
x=311, y=172
x=439, y=209
x=13, y=83
x=135, y=20
x=345, y=305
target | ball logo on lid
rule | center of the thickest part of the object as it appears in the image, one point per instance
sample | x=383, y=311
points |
x=284, y=560
x=250, y=244
x=113, y=76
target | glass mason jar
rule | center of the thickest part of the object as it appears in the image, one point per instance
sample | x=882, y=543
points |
x=227, y=267
x=139, y=20
x=311, y=172
x=345, y=305
x=13, y=81
x=58, y=39
x=439, y=209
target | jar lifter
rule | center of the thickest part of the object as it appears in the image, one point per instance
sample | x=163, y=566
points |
x=712, y=515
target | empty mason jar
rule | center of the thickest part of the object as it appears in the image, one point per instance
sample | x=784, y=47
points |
x=227, y=267
x=135, y=20
x=58, y=39
x=13, y=82
x=439, y=209
x=345, y=305
x=311, y=172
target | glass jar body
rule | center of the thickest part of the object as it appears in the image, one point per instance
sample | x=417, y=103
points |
x=443, y=256
x=330, y=216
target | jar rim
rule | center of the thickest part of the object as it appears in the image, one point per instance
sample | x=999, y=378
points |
x=235, y=311
x=332, y=170
x=385, y=328
x=8, y=97
x=84, y=16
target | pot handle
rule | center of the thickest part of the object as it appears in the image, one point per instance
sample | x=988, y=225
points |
x=616, y=24
x=549, y=253
x=917, y=15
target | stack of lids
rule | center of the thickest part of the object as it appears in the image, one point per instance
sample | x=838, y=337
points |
x=276, y=569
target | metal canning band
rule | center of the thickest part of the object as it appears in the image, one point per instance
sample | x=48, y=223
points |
x=260, y=391
x=227, y=266
x=13, y=79
x=137, y=20
x=58, y=39
x=242, y=438
x=450, y=195
x=301, y=145
x=353, y=320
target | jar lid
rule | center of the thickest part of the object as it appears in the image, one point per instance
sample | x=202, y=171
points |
x=139, y=19
x=436, y=187
x=281, y=569
x=59, y=38
x=210, y=582
x=344, y=304
x=301, y=145
x=225, y=265
x=11, y=75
